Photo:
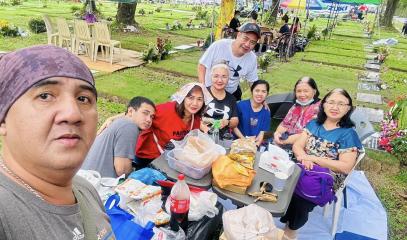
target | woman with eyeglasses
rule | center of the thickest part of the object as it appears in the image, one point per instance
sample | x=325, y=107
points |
x=305, y=108
x=329, y=142
x=223, y=106
x=254, y=118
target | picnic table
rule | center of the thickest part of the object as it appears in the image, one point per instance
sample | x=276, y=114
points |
x=277, y=209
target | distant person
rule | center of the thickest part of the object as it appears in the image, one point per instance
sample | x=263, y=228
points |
x=285, y=28
x=253, y=17
x=235, y=23
x=48, y=120
x=296, y=27
x=112, y=153
x=404, y=30
x=285, y=18
x=238, y=54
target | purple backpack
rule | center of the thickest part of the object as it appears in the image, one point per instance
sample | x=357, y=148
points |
x=316, y=185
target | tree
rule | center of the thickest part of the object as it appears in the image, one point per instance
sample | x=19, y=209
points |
x=274, y=8
x=391, y=6
x=126, y=12
x=92, y=4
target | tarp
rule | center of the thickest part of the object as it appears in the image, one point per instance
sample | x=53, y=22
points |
x=357, y=2
x=227, y=11
x=294, y=4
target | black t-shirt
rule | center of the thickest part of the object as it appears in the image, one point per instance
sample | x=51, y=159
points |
x=221, y=109
x=234, y=24
x=284, y=29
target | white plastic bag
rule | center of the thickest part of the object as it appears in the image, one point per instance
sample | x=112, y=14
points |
x=198, y=149
x=201, y=204
x=250, y=222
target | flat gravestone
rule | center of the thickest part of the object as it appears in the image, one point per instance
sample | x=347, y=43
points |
x=371, y=56
x=369, y=98
x=374, y=67
x=368, y=87
x=370, y=80
x=183, y=47
x=370, y=74
x=368, y=50
x=373, y=115
x=373, y=61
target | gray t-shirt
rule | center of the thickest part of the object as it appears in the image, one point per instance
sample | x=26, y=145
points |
x=118, y=140
x=24, y=216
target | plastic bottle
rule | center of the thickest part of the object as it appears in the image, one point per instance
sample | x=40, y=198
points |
x=215, y=133
x=179, y=197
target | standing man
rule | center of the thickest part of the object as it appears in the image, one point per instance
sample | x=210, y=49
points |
x=48, y=122
x=112, y=153
x=235, y=23
x=238, y=56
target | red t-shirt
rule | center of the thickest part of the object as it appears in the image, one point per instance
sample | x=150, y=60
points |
x=166, y=125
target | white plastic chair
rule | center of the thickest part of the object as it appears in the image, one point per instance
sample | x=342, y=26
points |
x=52, y=34
x=339, y=195
x=82, y=36
x=64, y=34
x=102, y=38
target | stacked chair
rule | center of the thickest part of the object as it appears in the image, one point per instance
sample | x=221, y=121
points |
x=89, y=36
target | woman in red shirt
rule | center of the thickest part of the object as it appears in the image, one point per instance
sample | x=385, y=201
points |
x=173, y=120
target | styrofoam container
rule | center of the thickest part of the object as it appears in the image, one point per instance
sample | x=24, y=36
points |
x=185, y=168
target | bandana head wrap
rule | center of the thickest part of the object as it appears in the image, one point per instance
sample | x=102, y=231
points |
x=21, y=69
x=181, y=94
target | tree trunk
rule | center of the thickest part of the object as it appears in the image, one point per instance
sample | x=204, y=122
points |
x=391, y=6
x=92, y=5
x=126, y=13
x=274, y=8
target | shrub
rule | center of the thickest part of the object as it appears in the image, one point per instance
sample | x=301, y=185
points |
x=158, y=9
x=15, y=2
x=268, y=19
x=37, y=25
x=399, y=146
x=151, y=54
x=201, y=14
x=311, y=32
x=75, y=9
x=142, y=12
x=264, y=61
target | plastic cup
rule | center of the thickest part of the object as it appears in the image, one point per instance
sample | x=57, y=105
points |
x=280, y=179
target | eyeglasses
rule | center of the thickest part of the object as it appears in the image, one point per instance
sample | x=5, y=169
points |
x=247, y=39
x=338, y=104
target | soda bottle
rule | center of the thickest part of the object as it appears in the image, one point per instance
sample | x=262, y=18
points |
x=179, y=207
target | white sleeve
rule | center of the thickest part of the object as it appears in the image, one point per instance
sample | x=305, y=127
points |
x=252, y=74
x=209, y=55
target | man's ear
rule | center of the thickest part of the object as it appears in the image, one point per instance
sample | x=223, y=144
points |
x=3, y=129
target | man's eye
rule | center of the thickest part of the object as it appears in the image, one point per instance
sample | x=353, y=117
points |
x=84, y=99
x=44, y=96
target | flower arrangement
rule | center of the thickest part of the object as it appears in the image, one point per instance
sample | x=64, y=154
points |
x=90, y=17
x=394, y=127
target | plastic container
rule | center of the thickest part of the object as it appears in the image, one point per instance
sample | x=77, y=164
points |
x=185, y=168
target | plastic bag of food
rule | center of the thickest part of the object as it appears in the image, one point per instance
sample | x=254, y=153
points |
x=198, y=149
x=244, y=146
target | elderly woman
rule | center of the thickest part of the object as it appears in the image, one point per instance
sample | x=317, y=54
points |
x=329, y=142
x=254, y=119
x=305, y=108
x=223, y=106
